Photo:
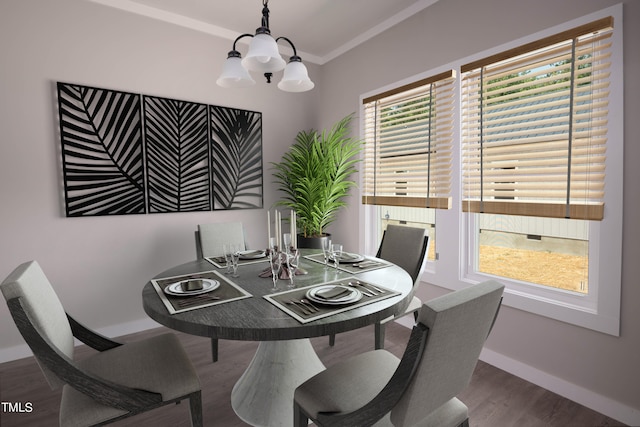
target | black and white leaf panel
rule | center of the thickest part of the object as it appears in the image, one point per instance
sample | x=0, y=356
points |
x=236, y=150
x=177, y=153
x=101, y=143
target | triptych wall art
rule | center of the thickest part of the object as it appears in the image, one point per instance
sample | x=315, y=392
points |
x=125, y=153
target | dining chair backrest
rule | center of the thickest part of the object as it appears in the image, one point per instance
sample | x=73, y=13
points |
x=120, y=380
x=406, y=247
x=211, y=237
x=29, y=283
x=458, y=325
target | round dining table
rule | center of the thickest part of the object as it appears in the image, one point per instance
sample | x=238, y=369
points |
x=285, y=358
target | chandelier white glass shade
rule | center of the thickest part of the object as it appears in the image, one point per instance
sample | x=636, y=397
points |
x=234, y=74
x=295, y=77
x=264, y=57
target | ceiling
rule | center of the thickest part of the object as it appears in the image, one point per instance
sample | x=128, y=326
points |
x=320, y=29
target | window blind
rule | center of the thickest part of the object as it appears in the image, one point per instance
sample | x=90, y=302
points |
x=408, y=144
x=534, y=127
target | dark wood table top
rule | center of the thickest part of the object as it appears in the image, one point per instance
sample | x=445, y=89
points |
x=256, y=319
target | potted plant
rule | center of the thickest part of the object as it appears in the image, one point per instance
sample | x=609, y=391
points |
x=314, y=176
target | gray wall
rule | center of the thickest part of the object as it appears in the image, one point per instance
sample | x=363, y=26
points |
x=99, y=265
x=600, y=370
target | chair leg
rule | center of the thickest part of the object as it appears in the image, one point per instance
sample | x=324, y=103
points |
x=300, y=419
x=195, y=408
x=214, y=349
x=332, y=340
x=379, y=336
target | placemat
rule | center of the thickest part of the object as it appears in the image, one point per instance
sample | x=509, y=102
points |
x=227, y=292
x=353, y=268
x=296, y=304
x=220, y=262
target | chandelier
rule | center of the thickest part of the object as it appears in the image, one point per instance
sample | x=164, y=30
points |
x=263, y=57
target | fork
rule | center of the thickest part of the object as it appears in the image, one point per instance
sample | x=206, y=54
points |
x=309, y=304
x=365, y=264
x=370, y=286
x=366, y=291
x=303, y=308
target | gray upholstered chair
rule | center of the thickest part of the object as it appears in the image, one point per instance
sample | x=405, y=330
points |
x=119, y=381
x=211, y=237
x=377, y=388
x=209, y=241
x=406, y=247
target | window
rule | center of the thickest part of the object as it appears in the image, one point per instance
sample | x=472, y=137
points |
x=534, y=126
x=408, y=152
x=534, y=143
x=536, y=170
x=542, y=251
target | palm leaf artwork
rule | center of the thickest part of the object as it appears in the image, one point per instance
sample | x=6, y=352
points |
x=236, y=142
x=101, y=142
x=177, y=155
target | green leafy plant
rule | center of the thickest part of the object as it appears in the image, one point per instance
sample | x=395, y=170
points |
x=315, y=175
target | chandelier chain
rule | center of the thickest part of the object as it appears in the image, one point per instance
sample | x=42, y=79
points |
x=265, y=15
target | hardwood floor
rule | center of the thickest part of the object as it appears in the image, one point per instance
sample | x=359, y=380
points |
x=494, y=397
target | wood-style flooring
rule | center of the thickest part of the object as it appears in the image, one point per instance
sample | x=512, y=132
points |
x=494, y=397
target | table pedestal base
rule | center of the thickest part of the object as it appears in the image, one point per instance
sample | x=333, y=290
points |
x=263, y=396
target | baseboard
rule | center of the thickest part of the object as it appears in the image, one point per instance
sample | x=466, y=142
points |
x=583, y=396
x=406, y=321
x=23, y=350
x=14, y=353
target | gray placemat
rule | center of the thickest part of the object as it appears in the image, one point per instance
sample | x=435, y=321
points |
x=226, y=292
x=220, y=262
x=290, y=301
x=353, y=268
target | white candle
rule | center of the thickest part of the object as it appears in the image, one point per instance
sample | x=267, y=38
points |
x=268, y=228
x=294, y=231
x=278, y=229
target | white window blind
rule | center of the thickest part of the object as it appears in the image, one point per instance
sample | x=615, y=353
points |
x=534, y=126
x=408, y=144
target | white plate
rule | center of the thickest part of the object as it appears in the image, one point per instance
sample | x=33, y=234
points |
x=347, y=258
x=252, y=254
x=175, y=289
x=354, y=296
